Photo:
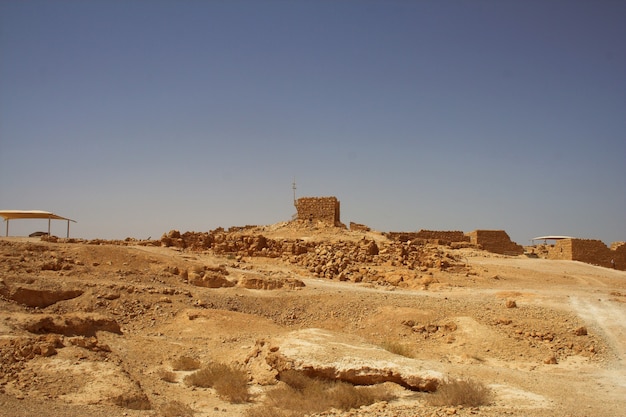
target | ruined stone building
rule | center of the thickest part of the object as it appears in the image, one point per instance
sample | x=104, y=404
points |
x=496, y=241
x=439, y=237
x=590, y=251
x=326, y=210
x=319, y=209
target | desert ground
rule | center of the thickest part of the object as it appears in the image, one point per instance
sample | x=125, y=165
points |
x=99, y=328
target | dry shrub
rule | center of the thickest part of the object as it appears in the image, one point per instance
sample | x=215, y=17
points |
x=176, y=409
x=186, y=363
x=206, y=377
x=136, y=401
x=397, y=348
x=229, y=382
x=301, y=395
x=465, y=392
x=167, y=376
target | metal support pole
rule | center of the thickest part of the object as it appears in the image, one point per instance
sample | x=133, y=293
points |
x=7, y=227
x=49, y=226
x=68, y=229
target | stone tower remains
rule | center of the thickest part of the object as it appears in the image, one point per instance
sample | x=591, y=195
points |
x=319, y=209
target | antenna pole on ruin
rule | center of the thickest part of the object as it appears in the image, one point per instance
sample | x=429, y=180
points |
x=293, y=186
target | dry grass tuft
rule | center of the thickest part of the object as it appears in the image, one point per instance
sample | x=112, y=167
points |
x=397, y=348
x=465, y=392
x=301, y=395
x=133, y=401
x=186, y=363
x=176, y=409
x=229, y=382
x=167, y=376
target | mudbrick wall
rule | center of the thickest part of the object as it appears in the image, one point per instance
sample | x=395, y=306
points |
x=324, y=209
x=496, y=241
x=590, y=251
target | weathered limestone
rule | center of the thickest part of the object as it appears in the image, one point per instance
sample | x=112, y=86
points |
x=324, y=354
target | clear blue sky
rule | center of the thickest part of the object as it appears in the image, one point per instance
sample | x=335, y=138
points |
x=137, y=117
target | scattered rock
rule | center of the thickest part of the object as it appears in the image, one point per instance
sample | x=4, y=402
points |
x=89, y=343
x=550, y=360
x=209, y=280
x=581, y=331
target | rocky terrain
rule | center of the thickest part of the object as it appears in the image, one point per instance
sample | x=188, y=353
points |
x=100, y=328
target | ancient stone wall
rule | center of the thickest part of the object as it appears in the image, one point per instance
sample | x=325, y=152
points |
x=590, y=251
x=449, y=236
x=401, y=236
x=562, y=249
x=357, y=227
x=437, y=237
x=324, y=209
x=618, y=255
x=496, y=241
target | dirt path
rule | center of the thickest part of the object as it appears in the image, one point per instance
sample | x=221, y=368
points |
x=607, y=317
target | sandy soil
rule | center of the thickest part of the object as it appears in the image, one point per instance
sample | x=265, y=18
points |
x=548, y=337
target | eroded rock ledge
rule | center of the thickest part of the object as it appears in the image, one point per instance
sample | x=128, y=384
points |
x=325, y=354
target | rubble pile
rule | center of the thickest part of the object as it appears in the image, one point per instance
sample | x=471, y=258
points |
x=344, y=260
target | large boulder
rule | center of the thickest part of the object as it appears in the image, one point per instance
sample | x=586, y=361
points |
x=325, y=354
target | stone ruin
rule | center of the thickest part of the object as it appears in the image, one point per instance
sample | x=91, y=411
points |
x=496, y=241
x=319, y=209
x=358, y=227
x=438, y=237
x=357, y=261
x=590, y=251
x=327, y=211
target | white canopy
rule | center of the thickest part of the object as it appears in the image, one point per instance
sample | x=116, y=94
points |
x=33, y=214
x=552, y=237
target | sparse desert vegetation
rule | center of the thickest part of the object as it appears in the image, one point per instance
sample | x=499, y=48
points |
x=229, y=381
x=300, y=395
x=186, y=363
x=167, y=376
x=463, y=391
